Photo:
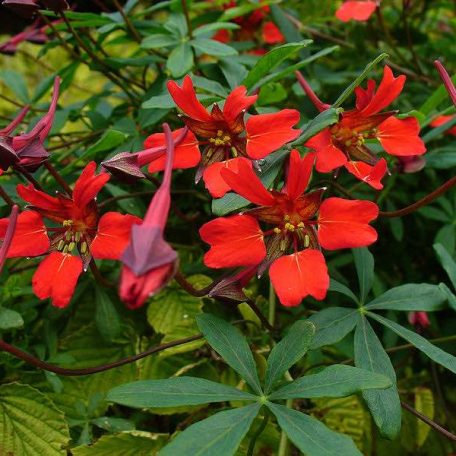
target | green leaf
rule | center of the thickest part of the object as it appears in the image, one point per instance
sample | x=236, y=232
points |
x=232, y=346
x=233, y=71
x=364, y=262
x=412, y=296
x=450, y=295
x=172, y=313
x=438, y=131
x=175, y=392
x=270, y=167
x=16, y=83
x=447, y=262
x=317, y=124
x=311, y=436
x=435, y=353
x=288, y=351
x=159, y=41
x=212, y=47
x=272, y=60
x=134, y=443
x=10, y=319
x=347, y=92
x=332, y=325
x=180, y=60
x=110, y=140
x=334, y=381
x=338, y=287
x=384, y=405
x=288, y=29
x=210, y=28
x=30, y=424
x=220, y=434
x=106, y=316
x=440, y=94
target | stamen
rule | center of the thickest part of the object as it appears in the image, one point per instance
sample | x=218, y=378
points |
x=71, y=246
x=84, y=247
x=277, y=230
x=60, y=244
x=306, y=241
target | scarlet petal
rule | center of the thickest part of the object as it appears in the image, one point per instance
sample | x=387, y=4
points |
x=441, y=120
x=56, y=278
x=236, y=102
x=267, y=133
x=185, y=99
x=401, y=136
x=38, y=198
x=213, y=179
x=247, y=184
x=186, y=153
x=345, y=223
x=113, y=235
x=272, y=34
x=30, y=237
x=299, y=275
x=388, y=90
x=372, y=175
x=88, y=185
x=356, y=10
x=328, y=156
x=134, y=290
x=234, y=241
x=299, y=172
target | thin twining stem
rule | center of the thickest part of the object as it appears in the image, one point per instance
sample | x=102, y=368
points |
x=30, y=359
x=422, y=202
x=449, y=435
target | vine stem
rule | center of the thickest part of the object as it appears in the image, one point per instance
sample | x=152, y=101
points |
x=6, y=197
x=30, y=359
x=422, y=202
x=449, y=435
x=58, y=178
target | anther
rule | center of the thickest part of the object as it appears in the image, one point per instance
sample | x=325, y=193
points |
x=84, y=247
x=60, y=244
x=277, y=230
x=306, y=241
x=71, y=246
x=68, y=235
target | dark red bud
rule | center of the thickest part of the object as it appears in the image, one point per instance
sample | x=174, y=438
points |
x=124, y=166
x=23, y=8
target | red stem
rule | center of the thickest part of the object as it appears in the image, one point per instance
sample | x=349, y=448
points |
x=451, y=89
x=8, y=239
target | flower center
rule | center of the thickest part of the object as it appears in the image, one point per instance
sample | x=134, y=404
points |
x=222, y=139
x=71, y=238
x=348, y=137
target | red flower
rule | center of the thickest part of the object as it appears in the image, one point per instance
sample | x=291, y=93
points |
x=27, y=150
x=149, y=261
x=356, y=10
x=297, y=225
x=442, y=120
x=419, y=319
x=344, y=144
x=225, y=136
x=76, y=228
x=249, y=27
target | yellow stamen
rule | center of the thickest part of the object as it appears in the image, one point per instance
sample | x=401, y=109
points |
x=84, y=247
x=277, y=230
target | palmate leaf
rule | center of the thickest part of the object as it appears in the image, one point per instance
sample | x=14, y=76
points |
x=435, y=353
x=410, y=297
x=220, y=434
x=364, y=263
x=332, y=325
x=212, y=47
x=180, y=60
x=288, y=351
x=175, y=392
x=338, y=287
x=447, y=262
x=334, y=381
x=384, y=405
x=311, y=436
x=232, y=346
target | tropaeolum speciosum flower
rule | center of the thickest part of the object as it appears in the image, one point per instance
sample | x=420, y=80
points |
x=27, y=149
x=287, y=230
x=344, y=143
x=356, y=10
x=225, y=135
x=75, y=235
